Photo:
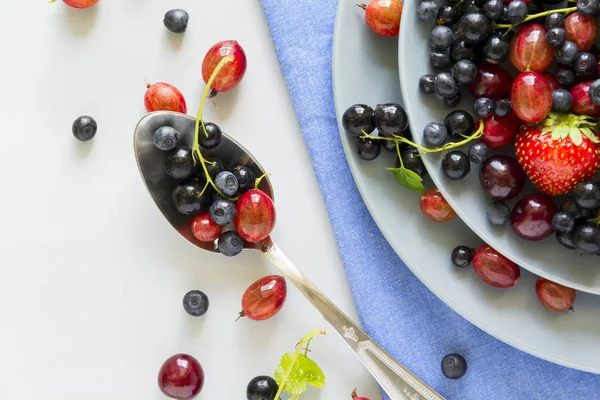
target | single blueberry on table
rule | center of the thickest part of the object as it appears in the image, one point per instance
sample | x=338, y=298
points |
x=230, y=244
x=454, y=366
x=84, y=128
x=563, y=222
x=212, y=137
x=176, y=20
x=464, y=71
x=445, y=85
x=222, y=211
x=456, y=165
x=562, y=100
x=459, y=123
x=426, y=84
x=462, y=256
x=554, y=20
x=585, y=63
x=358, y=119
x=227, y=183
x=502, y=108
x=566, y=53
x=427, y=10
x=441, y=37
x=195, y=303
x=166, y=138
x=482, y=107
x=493, y=9
x=496, y=48
x=587, y=195
x=435, y=134
x=390, y=118
x=478, y=152
x=474, y=27
x=516, y=11
x=498, y=214
x=262, y=388
x=556, y=37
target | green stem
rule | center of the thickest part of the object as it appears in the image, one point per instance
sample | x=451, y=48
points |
x=399, y=155
x=259, y=179
x=534, y=16
x=305, y=340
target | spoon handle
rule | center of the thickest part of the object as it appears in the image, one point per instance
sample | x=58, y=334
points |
x=397, y=381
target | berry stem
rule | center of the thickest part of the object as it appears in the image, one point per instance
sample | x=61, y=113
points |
x=361, y=5
x=508, y=27
x=259, y=179
x=354, y=395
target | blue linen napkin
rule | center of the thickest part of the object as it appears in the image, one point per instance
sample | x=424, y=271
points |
x=302, y=32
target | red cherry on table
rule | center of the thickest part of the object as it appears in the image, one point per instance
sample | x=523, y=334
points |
x=205, y=229
x=383, y=16
x=264, y=298
x=162, y=96
x=531, y=218
x=231, y=73
x=255, y=216
x=553, y=296
x=181, y=377
x=531, y=96
x=491, y=81
x=80, y=3
x=495, y=269
x=498, y=131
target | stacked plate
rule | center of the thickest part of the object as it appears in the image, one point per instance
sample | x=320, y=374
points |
x=366, y=70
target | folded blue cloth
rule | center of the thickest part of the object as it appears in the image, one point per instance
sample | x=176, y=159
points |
x=302, y=32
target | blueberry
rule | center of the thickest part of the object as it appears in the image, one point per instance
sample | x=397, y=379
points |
x=493, y=9
x=368, y=149
x=502, y=108
x=426, y=84
x=222, y=211
x=441, y=37
x=561, y=100
x=454, y=366
x=563, y=222
x=464, y=71
x=439, y=59
x=570, y=206
x=456, y=165
x=565, y=240
x=435, y=134
x=195, y=303
x=460, y=50
x=358, y=118
x=554, y=20
x=587, y=195
x=427, y=10
x=84, y=128
x=496, y=48
x=498, y=213
x=445, y=85
x=566, y=53
x=459, y=123
x=516, y=11
x=452, y=101
x=478, y=152
x=188, y=197
x=412, y=160
x=594, y=92
x=556, y=37
x=246, y=178
x=447, y=15
x=262, y=388
x=585, y=63
x=589, y=8
x=586, y=238
x=474, y=27
x=214, y=136
x=565, y=76
x=482, y=107
x=390, y=118
x=230, y=244
x=462, y=256
x=227, y=183
x=213, y=165
x=179, y=164
x=176, y=20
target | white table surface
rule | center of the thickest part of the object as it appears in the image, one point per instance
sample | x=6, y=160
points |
x=92, y=275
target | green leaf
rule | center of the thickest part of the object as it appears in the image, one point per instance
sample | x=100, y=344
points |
x=590, y=135
x=575, y=135
x=408, y=178
x=559, y=131
x=300, y=371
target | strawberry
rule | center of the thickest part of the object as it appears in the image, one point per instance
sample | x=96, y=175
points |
x=559, y=153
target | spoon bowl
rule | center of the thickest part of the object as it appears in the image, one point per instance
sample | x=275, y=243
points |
x=397, y=381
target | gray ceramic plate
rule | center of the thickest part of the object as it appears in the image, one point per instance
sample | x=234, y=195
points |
x=544, y=258
x=365, y=71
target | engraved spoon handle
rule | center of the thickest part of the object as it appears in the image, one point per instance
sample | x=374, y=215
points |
x=395, y=379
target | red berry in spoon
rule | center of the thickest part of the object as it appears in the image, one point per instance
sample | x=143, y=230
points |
x=435, y=207
x=205, y=228
x=553, y=296
x=582, y=103
x=79, y=3
x=498, y=131
x=255, y=217
x=531, y=218
x=383, y=16
x=232, y=73
x=181, y=377
x=494, y=268
x=491, y=81
x=162, y=96
x=264, y=298
x=529, y=49
x=581, y=30
x=531, y=97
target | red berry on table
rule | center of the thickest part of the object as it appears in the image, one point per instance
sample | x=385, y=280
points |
x=581, y=30
x=79, y=3
x=255, y=216
x=435, y=207
x=498, y=131
x=264, y=298
x=561, y=154
x=383, y=16
x=501, y=177
x=181, y=377
x=205, y=228
x=582, y=102
x=531, y=218
x=553, y=296
x=495, y=269
x=492, y=81
x=529, y=49
x=231, y=73
x=531, y=96
x=355, y=396
x=162, y=96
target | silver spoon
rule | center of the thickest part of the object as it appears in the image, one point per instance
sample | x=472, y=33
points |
x=397, y=381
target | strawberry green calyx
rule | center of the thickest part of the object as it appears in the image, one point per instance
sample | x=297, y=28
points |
x=575, y=127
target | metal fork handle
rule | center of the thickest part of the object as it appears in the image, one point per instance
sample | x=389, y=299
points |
x=395, y=379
